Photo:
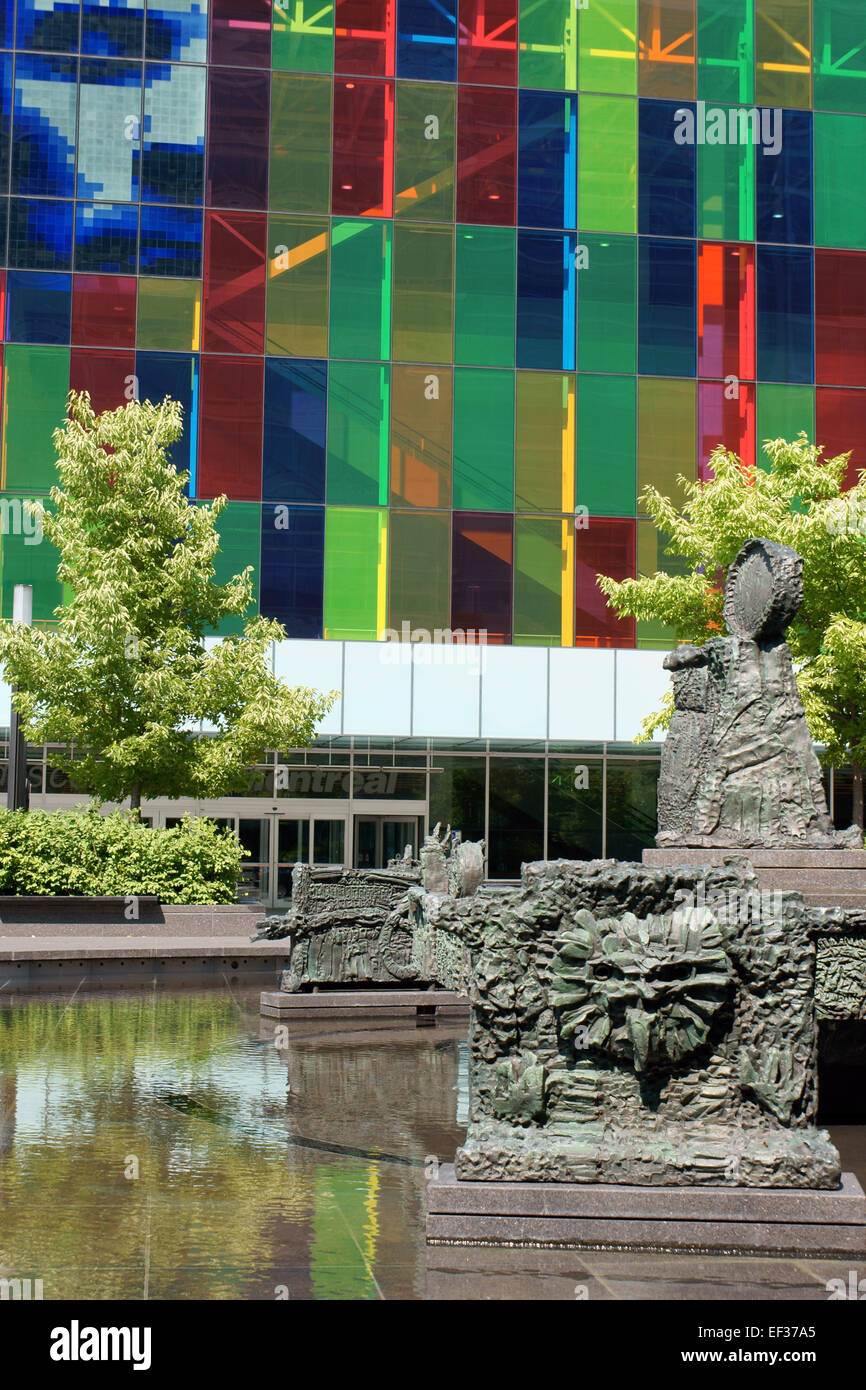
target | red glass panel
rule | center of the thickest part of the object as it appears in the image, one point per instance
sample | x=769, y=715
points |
x=235, y=247
x=487, y=42
x=238, y=138
x=605, y=547
x=365, y=37
x=240, y=33
x=363, y=149
x=486, y=155
x=726, y=310
x=840, y=425
x=482, y=549
x=230, y=447
x=103, y=310
x=726, y=415
x=840, y=317
x=108, y=376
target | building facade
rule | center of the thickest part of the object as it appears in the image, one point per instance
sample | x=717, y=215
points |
x=441, y=286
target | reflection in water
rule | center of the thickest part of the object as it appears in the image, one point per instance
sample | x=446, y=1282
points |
x=176, y=1145
x=263, y=1171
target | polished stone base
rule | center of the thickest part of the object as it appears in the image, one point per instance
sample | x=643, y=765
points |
x=353, y=1003
x=825, y=877
x=596, y=1216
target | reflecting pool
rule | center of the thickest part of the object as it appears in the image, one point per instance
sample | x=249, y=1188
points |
x=175, y=1145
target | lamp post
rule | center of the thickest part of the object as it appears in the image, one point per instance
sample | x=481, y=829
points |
x=17, y=787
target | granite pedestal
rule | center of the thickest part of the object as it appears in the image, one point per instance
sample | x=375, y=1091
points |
x=358, y=1002
x=825, y=877
x=610, y=1216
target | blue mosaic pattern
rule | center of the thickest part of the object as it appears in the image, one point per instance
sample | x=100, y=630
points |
x=49, y=25
x=109, y=130
x=177, y=30
x=113, y=28
x=172, y=155
x=43, y=148
x=171, y=241
x=106, y=237
x=40, y=234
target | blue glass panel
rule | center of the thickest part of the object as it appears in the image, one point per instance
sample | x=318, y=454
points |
x=667, y=307
x=785, y=326
x=109, y=130
x=113, y=28
x=293, y=566
x=427, y=39
x=49, y=25
x=106, y=238
x=667, y=199
x=170, y=241
x=783, y=181
x=5, y=116
x=4, y=218
x=7, y=24
x=546, y=297
x=40, y=234
x=293, y=460
x=546, y=160
x=172, y=155
x=174, y=374
x=38, y=307
x=43, y=148
x=177, y=30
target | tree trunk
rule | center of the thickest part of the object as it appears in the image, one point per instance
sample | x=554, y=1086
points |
x=857, y=792
x=135, y=799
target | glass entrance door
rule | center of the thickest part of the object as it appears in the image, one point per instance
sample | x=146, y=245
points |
x=317, y=840
x=378, y=839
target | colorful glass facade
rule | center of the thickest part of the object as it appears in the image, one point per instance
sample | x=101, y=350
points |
x=438, y=287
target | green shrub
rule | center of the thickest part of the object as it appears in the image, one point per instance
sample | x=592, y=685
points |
x=82, y=852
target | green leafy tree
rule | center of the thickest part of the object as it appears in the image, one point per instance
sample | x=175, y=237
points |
x=126, y=675
x=799, y=500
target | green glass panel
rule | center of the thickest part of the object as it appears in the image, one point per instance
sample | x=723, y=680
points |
x=608, y=47
x=358, y=417
x=726, y=50
x=355, y=573
x=840, y=208
x=240, y=533
x=667, y=444
x=606, y=445
x=169, y=315
x=607, y=164
x=419, y=591
x=27, y=557
x=35, y=388
x=303, y=36
x=297, y=324
x=484, y=296
x=840, y=55
x=783, y=411
x=300, y=163
x=483, y=440
x=548, y=44
x=606, y=304
x=426, y=126
x=516, y=819
x=360, y=313
x=423, y=293
x=574, y=809
x=783, y=53
x=538, y=574
x=726, y=192
x=651, y=559
x=544, y=442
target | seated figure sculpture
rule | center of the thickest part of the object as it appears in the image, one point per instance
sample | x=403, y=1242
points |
x=738, y=768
